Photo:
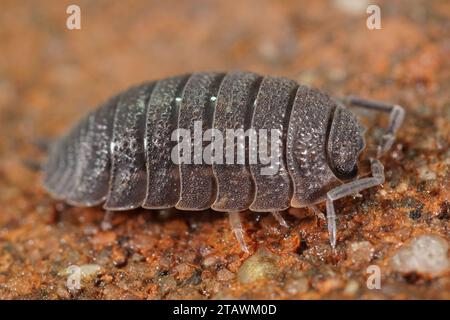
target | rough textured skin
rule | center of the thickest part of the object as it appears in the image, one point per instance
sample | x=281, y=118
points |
x=70, y=150
x=82, y=147
x=345, y=142
x=128, y=181
x=306, y=140
x=272, y=110
x=163, y=176
x=234, y=110
x=52, y=166
x=93, y=184
x=142, y=173
x=198, y=188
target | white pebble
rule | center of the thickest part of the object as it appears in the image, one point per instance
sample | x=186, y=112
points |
x=426, y=174
x=426, y=254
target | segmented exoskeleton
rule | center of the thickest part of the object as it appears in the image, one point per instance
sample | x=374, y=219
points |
x=120, y=154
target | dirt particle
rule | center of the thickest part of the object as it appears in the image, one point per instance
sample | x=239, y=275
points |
x=104, y=238
x=166, y=284
x=359, y=253
x=209, y=261
x=6, y=260
x=425, y=173
x=183, y=271
x=409, y=202
x=225, y=275
x=402, y=187
x=302, y=247
x=137, y=257
x=444, y=211
x=328, y=285
x=415, y=214
x=119, y=256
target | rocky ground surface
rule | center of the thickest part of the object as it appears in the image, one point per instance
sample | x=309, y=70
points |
x=50, y=76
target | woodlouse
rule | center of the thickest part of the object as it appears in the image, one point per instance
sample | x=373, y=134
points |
x=120, y=153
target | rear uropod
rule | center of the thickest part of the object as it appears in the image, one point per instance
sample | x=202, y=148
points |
x=124, y=153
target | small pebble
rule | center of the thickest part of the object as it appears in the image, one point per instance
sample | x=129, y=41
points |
x=166, y=284
x=137, y=257
x=225, y=275
x=183, y=270
x=360, y=252
x=415, y=214
x=354, y=7
x=119, y=256
x=296, y=283
x=103, y=238
x=426, y=254
x=6, y=260
x=402, y=187
x=351, y=288
x=329, y=285
x=90, y=270
x=261, y=265
x=209, y=260
x=426, y=173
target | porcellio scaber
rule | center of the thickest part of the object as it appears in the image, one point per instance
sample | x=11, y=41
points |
x=120, y=153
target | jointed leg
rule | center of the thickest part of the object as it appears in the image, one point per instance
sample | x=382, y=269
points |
x=349, y=189
x=319, y=214
x=236, y=227
x=106, y=223
x=277, y=215
x=397, y=114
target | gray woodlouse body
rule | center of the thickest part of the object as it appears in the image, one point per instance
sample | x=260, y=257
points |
x=119, y=154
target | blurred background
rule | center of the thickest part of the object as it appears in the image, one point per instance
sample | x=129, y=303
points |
x=50, y=76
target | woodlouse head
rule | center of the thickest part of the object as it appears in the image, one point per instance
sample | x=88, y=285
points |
x=345, y=143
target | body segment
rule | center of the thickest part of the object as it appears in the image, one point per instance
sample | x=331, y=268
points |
x=272, y=111
x=198, y=186
x=128, y=178
x=163, y=176
x=234, y=111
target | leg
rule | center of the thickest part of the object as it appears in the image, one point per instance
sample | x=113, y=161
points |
x=279, y=218
x=397, y=114
x=106, y=223
x=349, y=189
x=319, y=214
x=236, y=227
